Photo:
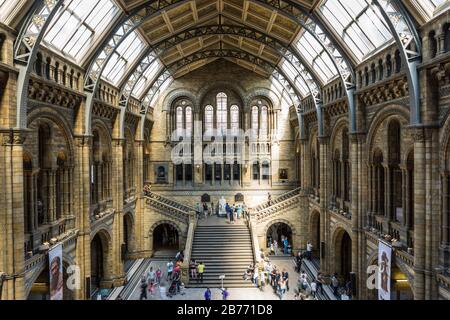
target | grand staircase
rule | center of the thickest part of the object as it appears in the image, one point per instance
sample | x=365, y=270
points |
x=225, y=250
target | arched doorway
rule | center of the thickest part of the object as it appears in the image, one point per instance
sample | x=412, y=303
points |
x=166, y=237
x=40, y=290
x=127, y=235
x=400, y=285
x=99, y=249
x=315, y=233
x=343, y=254
x=278, y=231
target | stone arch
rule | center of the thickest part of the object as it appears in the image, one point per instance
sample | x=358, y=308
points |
x=264, y=93
x=67, y=260
x=339, y=125
x=45, y=115
x=314, y=229
x=222, y=85
x=445, y=143
x=176, y=94
x=161, y=222
x=380, y=116
x=102, y=261
x=342, y=250
x=291, y=226
x=128, y=232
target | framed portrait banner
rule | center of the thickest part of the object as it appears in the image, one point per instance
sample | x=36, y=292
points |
x=384, y=270
x=56, y=272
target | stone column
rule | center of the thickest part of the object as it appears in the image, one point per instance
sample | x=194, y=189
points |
x=12, y=258
x=80, y=203
x=419, y=214
x=359, y=208
x=118, y=150
x=324, y=193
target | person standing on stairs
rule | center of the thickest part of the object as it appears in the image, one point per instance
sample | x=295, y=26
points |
x=205, y=210
x=275, y=246
x=269, y=199
x=309, y=248
x=200, y=270
x=169, y=270
x=193, y=268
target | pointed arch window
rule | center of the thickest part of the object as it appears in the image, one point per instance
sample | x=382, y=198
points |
x=263, y=131
x=179, y=120
x=188, y=121
x=222, y=111
x=234, y=115
x=255, y=116
x=209, y=117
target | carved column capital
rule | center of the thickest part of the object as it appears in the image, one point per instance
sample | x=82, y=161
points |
x=81, y=141
x=13, y=137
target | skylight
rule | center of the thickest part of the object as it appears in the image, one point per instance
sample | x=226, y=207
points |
x=316, y=56
x=358, y=23
x=294, y=77
x=123, y=58
x=146, y=78
x=78, y=24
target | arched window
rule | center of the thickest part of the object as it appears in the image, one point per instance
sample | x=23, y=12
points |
x=263, y=131
x=255, y=120
x=222, y=111
x=234, y=115
x=179, y=120
x=209, y=117
x=188, y=121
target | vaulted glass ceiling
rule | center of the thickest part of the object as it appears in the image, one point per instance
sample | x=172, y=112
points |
x=81, y=26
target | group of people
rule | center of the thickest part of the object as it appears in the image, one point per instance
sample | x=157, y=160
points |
x=234, y=212
x=274, y=246
x=152, y=279
x=264, y=273
x=196, y=270
x=208, y=294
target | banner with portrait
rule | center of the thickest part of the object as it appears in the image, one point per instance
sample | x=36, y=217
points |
x=56, y=272
x=384, y=270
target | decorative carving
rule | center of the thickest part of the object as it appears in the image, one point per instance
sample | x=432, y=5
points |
x=52, y=93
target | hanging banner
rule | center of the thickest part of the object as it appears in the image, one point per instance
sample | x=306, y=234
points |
x=56, y=272
x=384, y=271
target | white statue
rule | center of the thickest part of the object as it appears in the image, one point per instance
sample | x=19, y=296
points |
x=222, y=204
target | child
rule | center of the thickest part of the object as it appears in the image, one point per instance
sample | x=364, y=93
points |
x=158, y=276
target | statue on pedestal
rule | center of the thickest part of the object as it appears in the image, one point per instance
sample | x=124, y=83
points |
x=222, y=204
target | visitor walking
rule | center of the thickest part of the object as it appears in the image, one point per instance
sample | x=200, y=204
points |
x=169, y=270
x=335, y=284
x=309, y=248
x=205, y=210
x=197, y=210
x=285, y=277
x=158, y=276
x=225, y=294
x=239, y=211
x=193, y=269
x=275, y=247
x=200, y=270
x=320, y=282
x=207, y=294
x=282, y=289
x=285, y=245
x=144, y=287
x=151, y=276
x=314, y=288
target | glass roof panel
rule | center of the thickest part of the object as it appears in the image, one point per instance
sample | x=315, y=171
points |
x=294, y=77
x=78, y=24
x=146, y=78
x=123, y=58
x=430, y=5
x=358, y=23
x=316, y=56
x=163, y=88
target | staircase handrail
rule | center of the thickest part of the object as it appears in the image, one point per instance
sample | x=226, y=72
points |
x=277, y=200
x=165, y=200
x=188, y=247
